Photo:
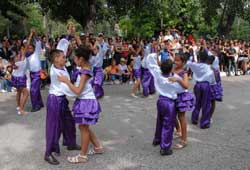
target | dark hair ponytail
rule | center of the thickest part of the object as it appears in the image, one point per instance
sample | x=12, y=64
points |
x=83, y=52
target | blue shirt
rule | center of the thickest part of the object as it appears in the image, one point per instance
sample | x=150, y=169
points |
x=164, y=55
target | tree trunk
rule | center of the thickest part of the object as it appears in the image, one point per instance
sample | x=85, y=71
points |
x=227, y=19
x=225, y=29
x=24, y=23
x=90, y=22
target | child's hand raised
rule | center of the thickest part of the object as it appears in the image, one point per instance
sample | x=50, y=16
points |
x=62, y=78
x=173, y=79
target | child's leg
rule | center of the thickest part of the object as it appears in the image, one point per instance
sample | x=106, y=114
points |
x=35, y=93
x=84, y=130
x=24, y=99
x=168, y=119
x=206, y=107
x=67, y=124
x=158, y=129
x=213, y=105
x=53, y=130
x=151, y=85
x=18, y=97
x=177, y=126
x=136, y=85
x=145, y=83
x=139, y=84
x=93, y=139
x=7, y=85
x=196, y=111
x=183, y=124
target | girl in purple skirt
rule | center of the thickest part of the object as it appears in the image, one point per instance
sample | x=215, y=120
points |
x=137, y=74
x=185, y=101
x=19, y=79
x=216, y=88
x=86, y=107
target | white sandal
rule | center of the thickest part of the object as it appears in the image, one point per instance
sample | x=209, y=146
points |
x=95, y=151
x=78, y=159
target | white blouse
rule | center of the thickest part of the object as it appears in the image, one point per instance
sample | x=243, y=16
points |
x=21, y=69
x=162, y=84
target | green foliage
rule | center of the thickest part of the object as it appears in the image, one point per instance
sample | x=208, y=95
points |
x=136, y=18
x=35, y=18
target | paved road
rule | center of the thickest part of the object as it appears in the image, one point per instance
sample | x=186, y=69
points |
x=126, y=129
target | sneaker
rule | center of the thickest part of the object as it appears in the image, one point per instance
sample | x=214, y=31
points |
x=3, y=91
x=150, y=97
x=19, y=113
x=133, y=95
x=131, y=82
x=166, y=152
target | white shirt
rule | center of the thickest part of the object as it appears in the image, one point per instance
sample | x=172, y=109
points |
x=21, y=68
x=137, y=62
x=162, y=83
x=202, y=72
x=57, y=87
x=215, y=63
x=34, y=59
x=88, y=92
x=168, y=37
x=123, y=67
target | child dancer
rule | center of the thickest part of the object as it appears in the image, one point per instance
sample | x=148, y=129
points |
x=97, y=62
x=34, y=66
x=204, y=76
x=19, y=79
x=185, y=101
x=166, y=107
x=216, y=89
x=86, y=108
x=147, y=78
x=136, y=74
x=59, y=119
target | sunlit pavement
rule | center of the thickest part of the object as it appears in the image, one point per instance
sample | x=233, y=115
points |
x=126, y=128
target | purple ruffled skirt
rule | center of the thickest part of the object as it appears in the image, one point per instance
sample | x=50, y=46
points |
x=19, y=82
x=216, y=92
x=137, y=73
x=185, y=102
x=86, y=111
x=216, y=89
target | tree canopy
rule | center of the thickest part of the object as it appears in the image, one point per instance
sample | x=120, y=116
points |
x=136, y=17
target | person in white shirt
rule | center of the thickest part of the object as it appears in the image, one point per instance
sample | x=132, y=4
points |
x=204, y=77
x=59, y=119
x=86, y=107
x=33, y=56
x=166, y=106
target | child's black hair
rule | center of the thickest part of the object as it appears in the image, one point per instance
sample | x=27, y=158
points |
x=210, y=59
x=166, y=67
x=83, y=52
x=182, y=56
x=203, y=56
x=53, y=54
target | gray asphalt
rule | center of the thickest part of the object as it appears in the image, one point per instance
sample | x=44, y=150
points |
x=126, y=129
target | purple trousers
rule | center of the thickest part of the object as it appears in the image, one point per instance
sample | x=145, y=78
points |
x=59, y=120
x=35, y=94
x=147, y=82
x=203, y=101
x=98, y=82
x=166, y=113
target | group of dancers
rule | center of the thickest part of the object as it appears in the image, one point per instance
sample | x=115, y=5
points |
x=168, y=77
x=27, y=57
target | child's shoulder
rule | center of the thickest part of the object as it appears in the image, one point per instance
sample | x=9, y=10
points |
x=86, y=71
